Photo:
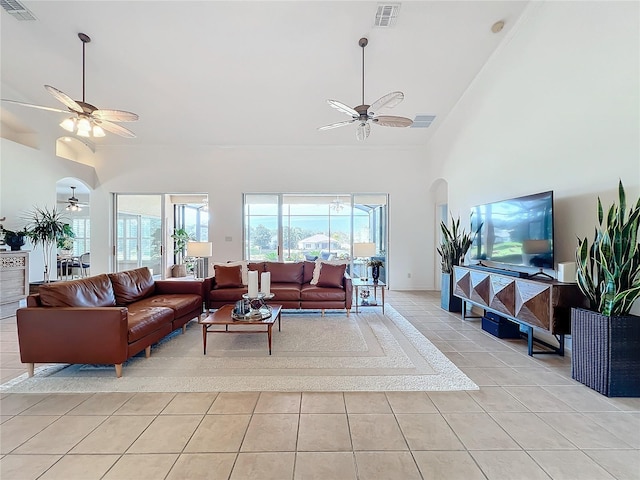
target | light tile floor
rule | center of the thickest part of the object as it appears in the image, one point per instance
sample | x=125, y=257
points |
x=529, y=420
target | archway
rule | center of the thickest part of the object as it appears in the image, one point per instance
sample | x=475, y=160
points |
x=73, y=197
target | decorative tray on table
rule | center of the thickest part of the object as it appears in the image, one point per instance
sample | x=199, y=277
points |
x=252, y=315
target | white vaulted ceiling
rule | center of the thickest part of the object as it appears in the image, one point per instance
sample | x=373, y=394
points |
x=246, y=73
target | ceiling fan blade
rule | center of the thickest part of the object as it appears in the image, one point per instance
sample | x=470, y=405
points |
x=64, y=98
x=115, y=115
x=363, y=131
x=36, y=106
x=343, y=108
x=389, y=100
x=336, y=125
x=117, y=129
x=391, y=121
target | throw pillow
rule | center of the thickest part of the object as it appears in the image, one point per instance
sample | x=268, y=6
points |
x=228, y=277
x=331, y=275
x=318, y=268
x=241, y=263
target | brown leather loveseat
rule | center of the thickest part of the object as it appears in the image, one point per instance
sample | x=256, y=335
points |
x=104, y=319
x=295, y=285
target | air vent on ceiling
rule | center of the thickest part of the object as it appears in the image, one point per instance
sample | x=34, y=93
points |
x=423, y=121
x=387, y=14
x=17, y=10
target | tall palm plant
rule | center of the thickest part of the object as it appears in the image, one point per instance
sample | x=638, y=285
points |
x=45, y=227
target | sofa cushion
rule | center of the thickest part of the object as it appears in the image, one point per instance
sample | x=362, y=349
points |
x=313, y=293
x=285, y=272
x=331, y=276
x=230, y=295
x=286, y=291
x=243, y=265
x=228, y=277
x=132, y=285
x=180, y=303
x=256, y=266
x=93, y=291
x=144, y=320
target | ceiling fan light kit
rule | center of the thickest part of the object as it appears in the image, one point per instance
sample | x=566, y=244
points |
x=87, y=120
x=364, y=114
x=74, y=205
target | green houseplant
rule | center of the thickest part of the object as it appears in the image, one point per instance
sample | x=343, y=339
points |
x=180, y=239
x=606, y=337
x=65, y=240
x=44, y=229
x=454, y=246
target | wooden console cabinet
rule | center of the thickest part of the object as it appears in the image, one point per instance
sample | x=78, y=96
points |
x=14, y=280
x=534, y=303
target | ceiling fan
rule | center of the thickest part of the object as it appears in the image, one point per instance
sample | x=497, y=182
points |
x=74, y=204
x=364, y=114
x=88, y=120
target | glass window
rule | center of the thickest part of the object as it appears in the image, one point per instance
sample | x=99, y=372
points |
x=295, y=227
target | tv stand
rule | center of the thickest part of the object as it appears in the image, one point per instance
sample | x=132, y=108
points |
x=541, y=304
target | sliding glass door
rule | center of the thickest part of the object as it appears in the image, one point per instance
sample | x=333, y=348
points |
x=139, y=232
x=294, y=227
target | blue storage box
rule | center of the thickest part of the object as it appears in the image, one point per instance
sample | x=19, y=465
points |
x=501, y=328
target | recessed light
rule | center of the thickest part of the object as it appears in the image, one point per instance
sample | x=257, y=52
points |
x=498, y=26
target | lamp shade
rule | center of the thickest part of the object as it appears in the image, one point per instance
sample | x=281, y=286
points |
x=199, y=249
x=364, y=249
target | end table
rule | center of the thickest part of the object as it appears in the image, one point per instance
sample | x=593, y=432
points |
x=358, y=283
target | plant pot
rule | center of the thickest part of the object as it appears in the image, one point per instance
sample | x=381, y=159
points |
x=179, y=271
x=14, y=241
x=447, y=301
x=606, y=352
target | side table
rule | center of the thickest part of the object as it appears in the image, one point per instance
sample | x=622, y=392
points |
x=358, y=284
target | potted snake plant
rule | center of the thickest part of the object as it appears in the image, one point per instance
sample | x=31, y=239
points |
x=606, y=336
x=454, y=246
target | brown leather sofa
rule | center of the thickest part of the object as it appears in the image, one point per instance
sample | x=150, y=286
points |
x=104, y=319
x=290, y=284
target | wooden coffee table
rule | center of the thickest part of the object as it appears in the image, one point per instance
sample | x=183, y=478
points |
x=222, y=316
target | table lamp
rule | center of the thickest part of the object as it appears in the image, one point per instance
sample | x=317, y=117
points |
x=364, y=251
x=199, y=250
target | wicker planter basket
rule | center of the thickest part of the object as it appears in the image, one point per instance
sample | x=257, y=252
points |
x=606, y=352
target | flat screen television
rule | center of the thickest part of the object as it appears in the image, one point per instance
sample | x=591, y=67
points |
x=517, y=231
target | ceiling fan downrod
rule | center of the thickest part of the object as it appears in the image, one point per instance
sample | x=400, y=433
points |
x=363, y=43
x=85, y=39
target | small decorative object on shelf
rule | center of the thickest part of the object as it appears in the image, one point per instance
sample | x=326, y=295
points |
x=364, y=296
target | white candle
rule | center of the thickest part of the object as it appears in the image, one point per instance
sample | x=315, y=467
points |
x=253, y=284
x=265, y=283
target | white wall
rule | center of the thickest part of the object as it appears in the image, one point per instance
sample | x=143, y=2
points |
x=556, y=108
x=226, y=173
x=28, y=178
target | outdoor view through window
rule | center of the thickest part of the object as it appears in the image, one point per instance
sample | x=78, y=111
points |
x=295, y=227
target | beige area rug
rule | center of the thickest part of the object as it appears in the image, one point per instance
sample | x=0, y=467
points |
x=364, y=352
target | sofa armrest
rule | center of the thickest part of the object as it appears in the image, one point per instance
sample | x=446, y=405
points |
x=73, y=335
x=348, y=290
